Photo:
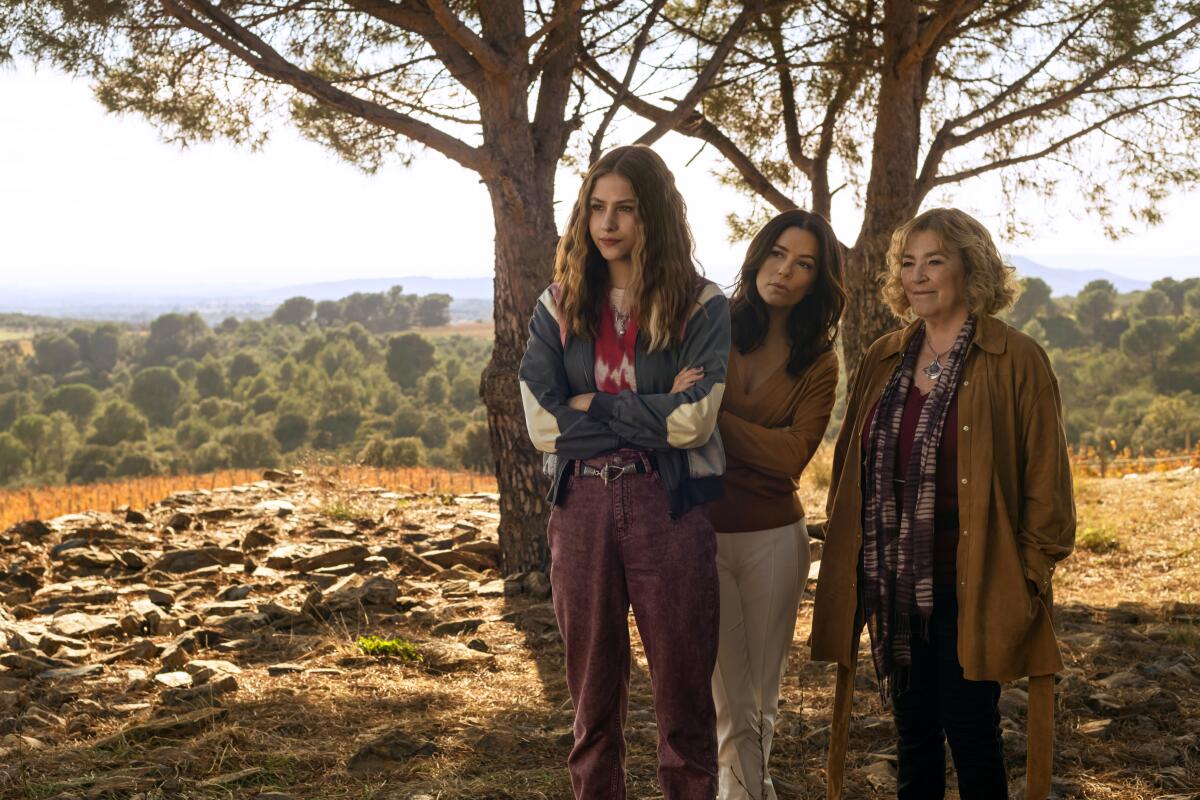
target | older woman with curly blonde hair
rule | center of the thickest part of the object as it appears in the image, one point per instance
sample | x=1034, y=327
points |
x=949, y=506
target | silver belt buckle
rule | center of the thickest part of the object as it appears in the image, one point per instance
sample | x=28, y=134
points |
x=606, y=476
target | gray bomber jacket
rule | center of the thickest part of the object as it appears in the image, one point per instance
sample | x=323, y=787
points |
x=679, y=428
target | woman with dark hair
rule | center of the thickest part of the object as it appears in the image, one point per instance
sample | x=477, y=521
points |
x=950, y=505
x=633, y=455
x=779, y=394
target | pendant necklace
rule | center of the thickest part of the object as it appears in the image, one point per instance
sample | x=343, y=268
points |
x=934, y=368
x=616, y=299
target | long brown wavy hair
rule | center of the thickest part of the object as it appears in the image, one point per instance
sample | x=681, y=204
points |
x=665, y=279
x=812, y=324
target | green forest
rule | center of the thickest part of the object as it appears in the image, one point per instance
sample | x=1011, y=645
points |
x=336, y=381
x=364, y=380
x=1128, y=364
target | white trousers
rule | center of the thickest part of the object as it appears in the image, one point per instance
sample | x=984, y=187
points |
x=762, y=575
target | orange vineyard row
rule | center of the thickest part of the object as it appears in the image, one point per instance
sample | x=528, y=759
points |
x=1109, y=462
x=44, y=503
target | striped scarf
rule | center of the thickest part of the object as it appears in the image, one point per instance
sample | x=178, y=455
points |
x=897, y=548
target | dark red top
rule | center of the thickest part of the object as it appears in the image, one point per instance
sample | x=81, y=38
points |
x=614, y=353
x=945, y=504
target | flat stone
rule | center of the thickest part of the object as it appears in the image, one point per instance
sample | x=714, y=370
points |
x=257, y=540
x=239, y=591
x=66, y=673
x=78, y=624
x=205, y=670
x=239, y=623
x=409, y=562
x=180, y=521
x=1124, y=680
x=443, y=657
x=274, y=508
x=227, y=609
x=196, y=559
x=349, y=554
x=488, y=548
x=141, y=650
x=387, y=753
x=207, y=692
x=284, y=668
x=284, y=556
x=457, y=557
x=355, y=590
x=161, y=597
x=173, y=680
x=494, y=588
x=456, y=626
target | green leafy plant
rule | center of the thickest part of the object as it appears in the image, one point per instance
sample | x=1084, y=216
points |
x=400, y=648
x=1098, y=540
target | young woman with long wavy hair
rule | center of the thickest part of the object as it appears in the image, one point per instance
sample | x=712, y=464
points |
x=632, y=454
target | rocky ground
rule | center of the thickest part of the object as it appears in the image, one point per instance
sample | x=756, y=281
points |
x=215, y=645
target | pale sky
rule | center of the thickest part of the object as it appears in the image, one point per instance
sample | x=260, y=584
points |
x=88, y=199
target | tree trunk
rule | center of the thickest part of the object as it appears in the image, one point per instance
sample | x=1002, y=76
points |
x=891, y=197
x=522, y=195
x=527, y=153
x=525, y=242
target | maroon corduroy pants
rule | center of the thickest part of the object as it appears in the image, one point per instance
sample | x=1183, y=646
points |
x=613, y=547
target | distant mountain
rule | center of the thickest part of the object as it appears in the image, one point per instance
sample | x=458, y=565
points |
x=1071, y=281
x=472, y=296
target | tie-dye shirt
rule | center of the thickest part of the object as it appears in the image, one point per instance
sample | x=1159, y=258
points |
x=614, y=352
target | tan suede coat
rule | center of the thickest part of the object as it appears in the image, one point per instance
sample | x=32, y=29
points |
x=1017, y=518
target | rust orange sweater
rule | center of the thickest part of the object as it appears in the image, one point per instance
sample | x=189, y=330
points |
x=770, y=435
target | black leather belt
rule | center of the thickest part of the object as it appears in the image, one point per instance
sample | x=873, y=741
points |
x=614, y=470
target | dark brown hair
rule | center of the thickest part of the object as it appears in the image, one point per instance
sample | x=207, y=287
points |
x=813, y=323
x=665, y=278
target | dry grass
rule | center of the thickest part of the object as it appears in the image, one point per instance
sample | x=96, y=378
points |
x=484, y=331
x=47, y=502
x=504, y=733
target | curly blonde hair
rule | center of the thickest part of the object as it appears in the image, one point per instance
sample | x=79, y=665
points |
x=991, y=284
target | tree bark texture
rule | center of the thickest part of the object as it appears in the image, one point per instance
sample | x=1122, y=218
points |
x=892, y=196
x=526, y=152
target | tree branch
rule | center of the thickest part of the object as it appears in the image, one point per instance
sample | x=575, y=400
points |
x=550, y=129
x=462, y=65
x=704, y=80
x=1049, y=149
x=1074, y=92
x=697, y=127
x=932, y=30
x=488, y=57
x=229, y=35
x=787, y=97
x=560, y=16
x=635, y=57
